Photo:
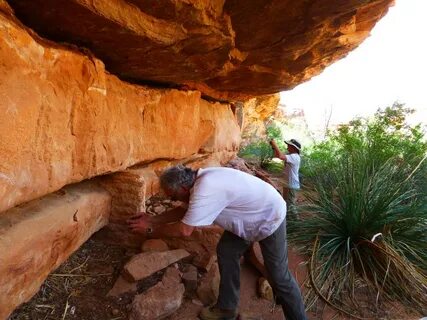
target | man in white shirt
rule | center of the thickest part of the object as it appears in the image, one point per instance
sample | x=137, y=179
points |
x=292, y=163
x=249, y=210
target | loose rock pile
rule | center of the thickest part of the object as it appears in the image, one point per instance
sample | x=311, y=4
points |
x=181, y=279
x=189, y=268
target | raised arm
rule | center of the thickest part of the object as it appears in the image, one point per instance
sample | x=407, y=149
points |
x=276, y=151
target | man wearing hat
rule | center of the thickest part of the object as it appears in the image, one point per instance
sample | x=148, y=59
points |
x=292, y=163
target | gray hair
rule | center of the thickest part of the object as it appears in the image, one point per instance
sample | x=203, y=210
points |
x=176, y=177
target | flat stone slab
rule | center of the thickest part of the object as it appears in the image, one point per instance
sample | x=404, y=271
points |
x=145, y=264
x=35, y=238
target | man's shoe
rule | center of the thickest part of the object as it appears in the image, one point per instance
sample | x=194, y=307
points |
x=214, y=313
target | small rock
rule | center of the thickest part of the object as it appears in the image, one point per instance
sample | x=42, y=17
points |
x=204, y=261
x=166, y=201
x=264, y=289
x=209, y=286
x=159, y=209
x=154, y=245
x=172, y=276
x=190, y=278
x=122, y=286
x=115, y=312
x=176, y=203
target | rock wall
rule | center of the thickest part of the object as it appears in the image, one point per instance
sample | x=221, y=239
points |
x=37, y=237
x=256, y=112
x=228, y=49
x=65, y=119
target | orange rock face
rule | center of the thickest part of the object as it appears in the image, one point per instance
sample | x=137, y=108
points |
x=228, y=49
x=64, y=119
x=255, y=112
x=37, y=237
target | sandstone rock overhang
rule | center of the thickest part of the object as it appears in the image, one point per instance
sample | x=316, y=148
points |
x=227, y=49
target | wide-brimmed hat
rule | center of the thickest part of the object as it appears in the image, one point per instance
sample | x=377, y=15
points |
x=294, y=143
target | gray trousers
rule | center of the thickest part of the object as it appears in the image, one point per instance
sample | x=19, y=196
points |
x=274, y=250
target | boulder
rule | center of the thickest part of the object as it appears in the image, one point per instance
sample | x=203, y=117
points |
x=159, y=301
x=122, y=286
x=36, y=237
x=145, y=264
x=154, y=245
x=208, y=289
x=202, y=242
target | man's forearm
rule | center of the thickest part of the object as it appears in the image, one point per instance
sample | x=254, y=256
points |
x=160, y=230
x=169, y=225
x=173, y=215
x=276, y=151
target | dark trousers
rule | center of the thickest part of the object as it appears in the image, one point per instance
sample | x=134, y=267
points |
x=274, y=250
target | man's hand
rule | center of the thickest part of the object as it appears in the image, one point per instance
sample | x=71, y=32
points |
x=273, y=143
x=275, y=148
x=140, y=223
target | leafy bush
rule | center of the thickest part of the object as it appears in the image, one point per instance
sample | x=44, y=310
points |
x=366, y=223
x=385, y=136
x=261, y=150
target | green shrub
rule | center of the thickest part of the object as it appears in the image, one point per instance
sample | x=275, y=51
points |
x=261, y=151
x=366, y=214
x=385, y=136
x=346, y=211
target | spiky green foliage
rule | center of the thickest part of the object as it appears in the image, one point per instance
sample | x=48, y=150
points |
x=365, y=223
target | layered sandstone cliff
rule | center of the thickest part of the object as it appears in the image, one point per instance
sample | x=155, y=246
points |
x=68, y=114
x=256, y=112
x=228, y=49
x=64, y=119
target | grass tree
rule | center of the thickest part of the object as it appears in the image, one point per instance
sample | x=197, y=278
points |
x=365, y=223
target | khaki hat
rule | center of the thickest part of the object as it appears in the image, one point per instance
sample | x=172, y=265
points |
x=294, y=143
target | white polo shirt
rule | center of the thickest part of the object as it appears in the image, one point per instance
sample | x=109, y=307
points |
x=292, y=165
x=236, y=201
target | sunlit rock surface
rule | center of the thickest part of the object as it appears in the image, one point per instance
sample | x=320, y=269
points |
x=228, y=49
x=64, y=119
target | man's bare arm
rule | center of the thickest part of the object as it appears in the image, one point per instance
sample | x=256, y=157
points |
x=173, y=215
x=276, y=151
x=173, y=230
x=161, y=226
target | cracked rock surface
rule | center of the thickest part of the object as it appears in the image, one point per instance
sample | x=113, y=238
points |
x=228, y=49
